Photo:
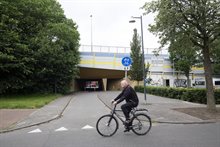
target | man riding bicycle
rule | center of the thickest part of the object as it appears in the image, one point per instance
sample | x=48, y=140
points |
x=129, y=95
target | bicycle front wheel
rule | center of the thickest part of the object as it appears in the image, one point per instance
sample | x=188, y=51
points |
x=107, y=125
x=141, y=124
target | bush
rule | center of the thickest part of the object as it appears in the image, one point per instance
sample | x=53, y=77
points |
x=217, y=96
x=186, y=94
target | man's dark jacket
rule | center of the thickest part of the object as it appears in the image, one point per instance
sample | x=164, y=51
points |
x=129, y=95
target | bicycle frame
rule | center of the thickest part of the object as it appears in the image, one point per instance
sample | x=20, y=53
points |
x=113, y=113
x=133, y=111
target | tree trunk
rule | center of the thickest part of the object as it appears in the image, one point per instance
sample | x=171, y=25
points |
x=208, y=77
x=188, y=81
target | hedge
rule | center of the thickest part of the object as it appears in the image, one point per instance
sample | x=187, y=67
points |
x=187, y=94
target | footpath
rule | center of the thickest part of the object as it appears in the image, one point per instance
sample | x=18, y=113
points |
x=161, y=110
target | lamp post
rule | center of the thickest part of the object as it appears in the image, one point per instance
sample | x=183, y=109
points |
x=91, y=35
x=143, y=58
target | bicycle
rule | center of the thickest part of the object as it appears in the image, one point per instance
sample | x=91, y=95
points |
x=107, y=125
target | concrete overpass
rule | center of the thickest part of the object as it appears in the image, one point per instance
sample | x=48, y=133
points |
x=106, y=68
x=103, y=65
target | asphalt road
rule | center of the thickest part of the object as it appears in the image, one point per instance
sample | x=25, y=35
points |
x=77, y=129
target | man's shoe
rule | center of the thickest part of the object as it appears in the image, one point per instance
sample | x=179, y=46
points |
x=127, y=122
x=126, y=130
x=127, y=125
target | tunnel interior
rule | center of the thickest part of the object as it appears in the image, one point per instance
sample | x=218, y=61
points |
x=90, y=84
x=93, y=79
x=97, y=84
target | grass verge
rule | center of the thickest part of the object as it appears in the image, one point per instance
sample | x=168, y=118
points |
x=32, y=101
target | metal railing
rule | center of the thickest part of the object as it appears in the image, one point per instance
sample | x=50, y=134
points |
x=117, y=49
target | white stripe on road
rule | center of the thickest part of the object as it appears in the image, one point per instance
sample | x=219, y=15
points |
x=61, y=129
x=35, y=131
x=87, y=127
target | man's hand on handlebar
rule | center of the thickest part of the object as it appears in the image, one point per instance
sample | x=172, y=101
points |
x=114, y=102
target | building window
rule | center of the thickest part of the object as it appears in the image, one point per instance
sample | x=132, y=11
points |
x=217, y=82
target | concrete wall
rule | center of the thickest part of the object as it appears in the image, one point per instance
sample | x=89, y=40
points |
x=114, y=84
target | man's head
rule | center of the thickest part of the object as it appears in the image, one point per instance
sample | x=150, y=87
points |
x=124, y=83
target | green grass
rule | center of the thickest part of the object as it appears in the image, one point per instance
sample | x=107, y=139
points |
x=32, y=101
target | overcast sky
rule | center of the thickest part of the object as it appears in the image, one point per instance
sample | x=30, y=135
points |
x=110, y=21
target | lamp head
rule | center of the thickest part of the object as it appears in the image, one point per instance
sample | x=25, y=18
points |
x=132, y=21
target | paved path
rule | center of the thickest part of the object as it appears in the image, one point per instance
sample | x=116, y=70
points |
x=26, y=118
x=160, y=110
x=10, y=116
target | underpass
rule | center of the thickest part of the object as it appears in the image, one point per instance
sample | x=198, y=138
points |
x=106, y=79
x=101, y=69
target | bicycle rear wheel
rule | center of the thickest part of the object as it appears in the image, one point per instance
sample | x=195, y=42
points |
x=141, y=124
x=107, y=125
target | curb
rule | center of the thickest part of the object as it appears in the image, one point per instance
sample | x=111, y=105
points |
x=43, y=122
x=185, y=123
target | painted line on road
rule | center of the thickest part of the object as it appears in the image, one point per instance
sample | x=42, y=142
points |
x=35, y=131
x=61, y=129
x=87, y=127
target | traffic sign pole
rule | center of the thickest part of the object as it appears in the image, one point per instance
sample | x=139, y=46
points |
x=126, y=72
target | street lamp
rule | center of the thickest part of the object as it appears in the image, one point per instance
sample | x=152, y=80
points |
x=91, y=35
x=143, y=59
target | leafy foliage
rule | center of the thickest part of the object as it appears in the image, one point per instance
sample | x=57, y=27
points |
x=216, y=56
x=199, y=20
x=183, y=55
x=38, y=47
x=195, y=95
x=136, y=71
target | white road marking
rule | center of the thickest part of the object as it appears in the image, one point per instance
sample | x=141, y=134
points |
x=61, y=129
x=87, y=127
x=35, y=131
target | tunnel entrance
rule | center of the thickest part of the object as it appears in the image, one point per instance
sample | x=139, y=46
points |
x=98, y=84
x=90, y=84
x=93, y=79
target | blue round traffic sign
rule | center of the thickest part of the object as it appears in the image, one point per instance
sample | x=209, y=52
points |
x=126, y=61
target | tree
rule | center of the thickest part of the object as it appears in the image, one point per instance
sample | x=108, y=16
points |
x=183, y=55
x=28, y=29
x=199, y=20
x=14, y=53
x=136, y=71
x=57, y=56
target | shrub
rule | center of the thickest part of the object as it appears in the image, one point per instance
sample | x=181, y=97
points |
x=195, y=95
